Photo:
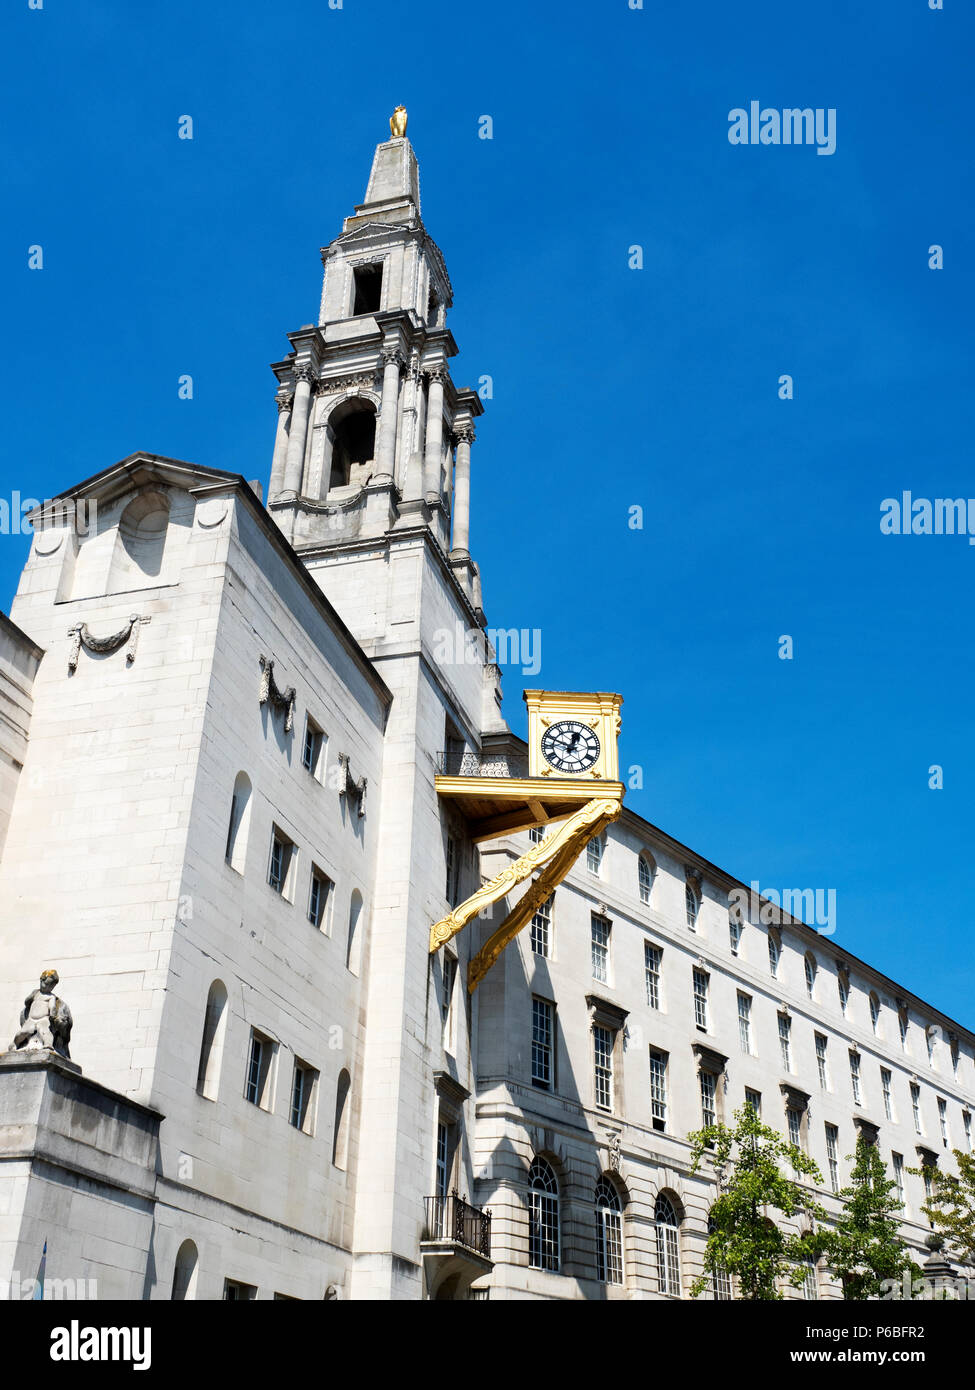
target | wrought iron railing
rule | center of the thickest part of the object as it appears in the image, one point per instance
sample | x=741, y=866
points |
x=451, y=1218
x=474, y=765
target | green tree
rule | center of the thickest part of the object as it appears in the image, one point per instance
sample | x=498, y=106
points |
x=744, y=1240
x=864, y=1247
x=951, y=1206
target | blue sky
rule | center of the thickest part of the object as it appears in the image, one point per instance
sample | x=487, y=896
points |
x=612, y=387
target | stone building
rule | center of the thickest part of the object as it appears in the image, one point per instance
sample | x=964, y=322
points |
x=222, y=722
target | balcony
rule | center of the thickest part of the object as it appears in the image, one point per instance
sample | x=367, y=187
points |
x=455, y=1246
x=450, y=764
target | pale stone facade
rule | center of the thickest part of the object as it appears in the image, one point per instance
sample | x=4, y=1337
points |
x=222, y=723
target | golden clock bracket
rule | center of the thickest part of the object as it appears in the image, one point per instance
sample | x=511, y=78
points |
x=559, y=851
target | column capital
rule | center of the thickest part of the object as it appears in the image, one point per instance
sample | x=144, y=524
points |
x=393, y=356
x=436, y=374
x=464, y=434
x=284, y=402
x=304, y=371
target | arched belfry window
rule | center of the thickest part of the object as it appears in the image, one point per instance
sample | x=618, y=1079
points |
x=140, y=543
x=352, y=434
x=543, y=1216
x=646, y=869
x=609, y=1232
x=184, y=1272
x=668, y=1219
x=211, y=1046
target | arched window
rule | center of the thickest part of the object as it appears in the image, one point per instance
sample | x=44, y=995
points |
x=609, y=1233
x=875, y=1011
x=138, y=555
x=340, y=1134
x=668, y=1246
x=353, y=949
x=810, y=966
x=240, y=819
x=810, y=1283
x=352, y=433
x=543, y=1216
x=647, y=871
x=691, y=905
x=774, y=951
x=184, y=1272
x=211, y=1048
x=843, y=985
x=594, y=854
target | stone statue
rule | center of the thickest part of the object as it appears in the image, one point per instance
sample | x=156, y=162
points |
x=397, y=123
x=45, y=1020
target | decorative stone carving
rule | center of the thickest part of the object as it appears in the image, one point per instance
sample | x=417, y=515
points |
x=332, y=386
x=464, y=434
x=438, y=374
x=284, y=403
x=304, y=372
x=351, y=788
x=393, y=355
x=82, y=637
x=45, y=1020
x=616, y=1153
x=279, y=700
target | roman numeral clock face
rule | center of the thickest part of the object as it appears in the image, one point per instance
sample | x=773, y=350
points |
x=570, y=746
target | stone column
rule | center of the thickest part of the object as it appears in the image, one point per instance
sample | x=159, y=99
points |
x=386, y=449
x=280, y=446
x=434, y=440
x=462, y=493
x=295, y=461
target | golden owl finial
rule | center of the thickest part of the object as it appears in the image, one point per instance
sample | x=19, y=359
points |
x=397, y=123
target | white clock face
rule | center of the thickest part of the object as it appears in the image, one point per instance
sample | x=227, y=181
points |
x=570, y=746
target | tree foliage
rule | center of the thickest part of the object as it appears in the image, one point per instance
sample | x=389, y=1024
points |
x=951, y=1206
x=745, y=1241
x=864, y=1247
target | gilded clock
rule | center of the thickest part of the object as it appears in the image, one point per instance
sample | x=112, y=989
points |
x=570, y=746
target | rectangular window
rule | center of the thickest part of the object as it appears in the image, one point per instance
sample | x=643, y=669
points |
x=541, y=928
x=794, y=1119
x=708, y=1112
x=447, y=1000
x=594, y=854
x=943, y=1120
x=821, y=1062
x=543, y=1031
x=897, y=1164
x=236, y=1292
x=443, y=1150
x=832, y=1156
x=885, y=1080
x=658, y=1089
x=652, y=957
x=810, y=1284
x=843, y=985
x=319, y=899
x=367, y=288
x=600, y=948
x=734, y=934
x=311, y=749
x=280, y=872
x=785, y=1040
x=602, y=1042
x=258, y=1089
x=701, y=980
x=966, y=1119
x=304, y=1085
x=453, y=871
x=745, y=1021
x=754, y=1099
x=773, y=955
x=855, y=1078
x=536, y=834
x=916, y=1107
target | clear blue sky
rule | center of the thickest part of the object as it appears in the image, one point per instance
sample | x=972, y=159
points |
x=612, y=387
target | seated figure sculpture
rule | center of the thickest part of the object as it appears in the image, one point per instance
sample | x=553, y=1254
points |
x=45, y=1020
